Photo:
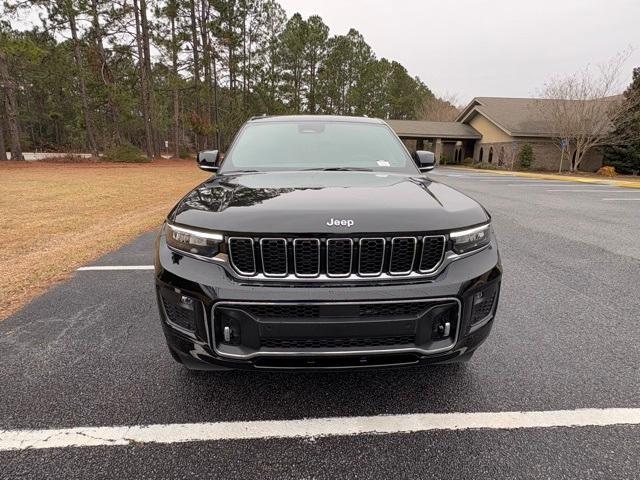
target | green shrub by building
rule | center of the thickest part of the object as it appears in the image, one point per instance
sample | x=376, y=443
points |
x=526, y=156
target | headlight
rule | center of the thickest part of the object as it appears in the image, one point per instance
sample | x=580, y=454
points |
x=472, y=239
x=198, y=242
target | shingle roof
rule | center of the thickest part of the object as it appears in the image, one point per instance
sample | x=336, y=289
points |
x=424, y=129
x=517, y=116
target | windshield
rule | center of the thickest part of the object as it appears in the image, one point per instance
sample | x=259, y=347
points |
x=317, y=145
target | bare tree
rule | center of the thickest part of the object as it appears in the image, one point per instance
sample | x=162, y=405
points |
x=439, y=109
x=580, y=109
x=11, y=109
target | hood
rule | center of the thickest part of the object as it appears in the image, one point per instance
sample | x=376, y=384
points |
x=312, y=202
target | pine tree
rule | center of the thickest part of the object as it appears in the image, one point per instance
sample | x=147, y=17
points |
x=624, y=153
x=526, y=156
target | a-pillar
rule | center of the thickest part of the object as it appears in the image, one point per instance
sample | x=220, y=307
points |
x=438, y=150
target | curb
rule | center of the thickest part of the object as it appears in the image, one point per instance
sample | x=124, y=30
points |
x=551, y=176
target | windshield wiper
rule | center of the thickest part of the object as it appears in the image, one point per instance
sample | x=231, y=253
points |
x=340, y=169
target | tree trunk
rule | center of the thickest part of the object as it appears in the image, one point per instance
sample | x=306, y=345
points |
x=144, y=25
x=215, y=100
x=11, y=107
x=77, y=55
x=143, y=84
x=106, y=74
x=176, y=98
x=206, y=62
x=3, y=146
x=196, y=66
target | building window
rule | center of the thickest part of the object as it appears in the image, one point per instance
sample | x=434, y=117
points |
x=481, y=155
x=490, y=154
x=501, y=157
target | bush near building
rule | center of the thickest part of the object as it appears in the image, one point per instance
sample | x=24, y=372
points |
x=526, y=157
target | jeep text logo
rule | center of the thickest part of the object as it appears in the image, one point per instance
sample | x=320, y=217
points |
x=336, y=222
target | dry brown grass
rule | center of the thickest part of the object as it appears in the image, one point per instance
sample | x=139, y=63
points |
x=56, y=217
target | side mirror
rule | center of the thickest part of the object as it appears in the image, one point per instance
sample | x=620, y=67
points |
x=425, y=160
x=208, y=160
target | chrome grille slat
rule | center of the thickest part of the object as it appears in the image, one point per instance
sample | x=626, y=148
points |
x=374, y=250
x=239, y=256
x=432, y=252
x=403, y=255
x=275, y=261
x=306, y=263
x=322, y=258
x=339, y=257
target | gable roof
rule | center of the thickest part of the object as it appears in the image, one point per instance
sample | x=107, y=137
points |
x=425, y=129
x=518, y=117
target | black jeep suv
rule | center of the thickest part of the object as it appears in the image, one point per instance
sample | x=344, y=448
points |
x=320, y=244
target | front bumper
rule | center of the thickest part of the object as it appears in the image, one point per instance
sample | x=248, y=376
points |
x=196, y=297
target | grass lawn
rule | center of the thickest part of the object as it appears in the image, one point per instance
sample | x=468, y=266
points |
x=56, y=217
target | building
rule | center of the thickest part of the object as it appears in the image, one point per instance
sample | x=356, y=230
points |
x=491, y=130
x=451, y=142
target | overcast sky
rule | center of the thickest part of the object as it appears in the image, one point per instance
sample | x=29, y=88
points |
x=487, y=47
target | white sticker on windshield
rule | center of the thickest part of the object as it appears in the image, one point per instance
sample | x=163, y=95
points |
x=383, y=163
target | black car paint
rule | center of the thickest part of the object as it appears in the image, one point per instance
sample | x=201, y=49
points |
x=295, y=202
x=302, y=203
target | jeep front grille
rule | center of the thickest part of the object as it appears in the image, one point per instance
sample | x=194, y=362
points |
x=339, y=257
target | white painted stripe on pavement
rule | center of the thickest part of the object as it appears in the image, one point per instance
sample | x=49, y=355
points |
x=544, y=184
x=313, y=427
x=516, y=180
x=597, y=190
x=620, y=199
x=116, y=267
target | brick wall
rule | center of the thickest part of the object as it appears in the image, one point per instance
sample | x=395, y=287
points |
x=546, y=155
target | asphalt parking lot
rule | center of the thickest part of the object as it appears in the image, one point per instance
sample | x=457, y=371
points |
x=90, y=353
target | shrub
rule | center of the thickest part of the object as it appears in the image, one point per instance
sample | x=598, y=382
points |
x=183, y=153
x=468, y=161
x=526, y=156
x=125, y=153
x=444, y=159
x=486, y=166
x=607, y=171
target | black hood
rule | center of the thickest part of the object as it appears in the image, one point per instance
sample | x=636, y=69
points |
x=303, y=202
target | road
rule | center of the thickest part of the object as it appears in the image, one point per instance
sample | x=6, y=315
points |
x=90, y=353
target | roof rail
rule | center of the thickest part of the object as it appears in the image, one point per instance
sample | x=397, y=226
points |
x=255, y=117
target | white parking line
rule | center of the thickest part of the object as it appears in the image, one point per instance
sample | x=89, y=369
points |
x=515, y=180
x=598, y=190
x=543, y=184
x=313, y=427
x=620, y=199
x=116, y=267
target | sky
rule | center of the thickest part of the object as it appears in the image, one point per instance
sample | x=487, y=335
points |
x=472, y=48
